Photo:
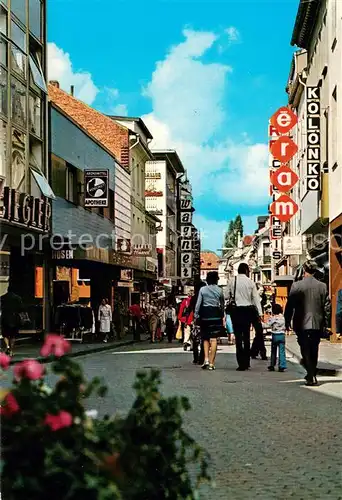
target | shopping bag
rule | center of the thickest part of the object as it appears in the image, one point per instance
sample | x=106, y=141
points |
x=179, y=332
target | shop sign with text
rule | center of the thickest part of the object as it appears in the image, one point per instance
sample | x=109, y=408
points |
x=313, y=124
x=24, y=210
x=96, y=188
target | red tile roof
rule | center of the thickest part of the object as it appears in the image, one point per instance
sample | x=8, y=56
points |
x=209, y=261
x=110, y=134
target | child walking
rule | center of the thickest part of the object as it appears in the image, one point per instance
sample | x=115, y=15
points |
x=277, y=325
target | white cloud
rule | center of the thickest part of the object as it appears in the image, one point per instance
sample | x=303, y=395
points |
x=60, y=68
x=120, y=110
x=233, y=34
x=212, y=232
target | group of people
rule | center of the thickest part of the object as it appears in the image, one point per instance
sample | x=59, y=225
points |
x=308, y=311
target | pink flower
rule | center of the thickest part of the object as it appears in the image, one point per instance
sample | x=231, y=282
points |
x=56, y=422
x=11, y=406
x=4, y=361
x=55, y=345
x=30, y=368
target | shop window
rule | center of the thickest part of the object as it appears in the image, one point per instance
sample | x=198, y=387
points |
x=3, y=52
x=35, y=115
x=18, y=8
x=18, y=160
x=3, y=148
x=18, y=102
x=36, y=74
x=3, y=21
x=35, y=17
x=3, y=91
x=58, y=172
x=18, y=61
x=18, y=36
x=71, y=184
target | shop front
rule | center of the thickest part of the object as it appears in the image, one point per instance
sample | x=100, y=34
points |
x=336, y=276
x=25, y=254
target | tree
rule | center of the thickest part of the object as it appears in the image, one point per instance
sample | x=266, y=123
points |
x=235, y=229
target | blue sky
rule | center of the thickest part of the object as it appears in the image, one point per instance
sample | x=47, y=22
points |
x=205, y=76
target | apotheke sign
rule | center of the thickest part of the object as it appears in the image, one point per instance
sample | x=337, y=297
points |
x=25, y=210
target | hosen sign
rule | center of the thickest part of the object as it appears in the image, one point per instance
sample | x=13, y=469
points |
x=313, y=125
x=24, y=210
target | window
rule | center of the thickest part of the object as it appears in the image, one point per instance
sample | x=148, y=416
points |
x=37, y=74
x=18, y=7
x=3, y=91
x=3, y=51
x=71, y=184
x=58, y=173
x=35, y=18
x=18, y=160
x=18, y=36
x=3, y=21
x=3, y=148
x=18, y=61
x=18, y=102
x=43, y=184
x=35, y=115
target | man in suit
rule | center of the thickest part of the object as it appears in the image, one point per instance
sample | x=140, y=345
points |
x=309, y=308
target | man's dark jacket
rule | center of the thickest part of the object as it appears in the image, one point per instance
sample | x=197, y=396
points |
x=308, y=306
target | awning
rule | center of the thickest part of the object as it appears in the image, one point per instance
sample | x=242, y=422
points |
x=43, y=184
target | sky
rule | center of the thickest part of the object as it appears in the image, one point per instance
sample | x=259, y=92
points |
x=204, y=75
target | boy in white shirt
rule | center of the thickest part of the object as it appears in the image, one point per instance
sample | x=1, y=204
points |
x=277, y=325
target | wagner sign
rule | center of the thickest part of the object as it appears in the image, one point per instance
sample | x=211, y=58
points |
x=25, y=210
x=313, y=164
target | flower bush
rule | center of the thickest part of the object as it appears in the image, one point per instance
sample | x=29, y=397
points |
x=52, y=448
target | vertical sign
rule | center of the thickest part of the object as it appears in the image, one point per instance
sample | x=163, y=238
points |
x=186, y=241
x=96, y=188
x=313, y=124
x=196, y=260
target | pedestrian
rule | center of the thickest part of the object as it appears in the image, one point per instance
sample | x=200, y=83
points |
x=246, y=308
x=183, y=316
x=230, y=330
x=11, y=309
x=153, y=321
x=136, y=314
x=170, y=320
x=105, y=319
x=277, y=325
x=197, y=345
x=258, y=344
x=209, y=311
x=309, y=308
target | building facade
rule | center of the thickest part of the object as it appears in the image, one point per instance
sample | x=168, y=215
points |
x=161, y=184
x=24, y=189
x=317, y=65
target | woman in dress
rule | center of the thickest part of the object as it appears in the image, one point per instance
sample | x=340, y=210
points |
x=105, y=319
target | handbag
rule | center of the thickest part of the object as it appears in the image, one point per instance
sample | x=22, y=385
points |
x=179, y=332
x=231, y=303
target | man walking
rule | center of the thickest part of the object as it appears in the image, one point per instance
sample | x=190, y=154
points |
x=248, y=307
x=309, y=308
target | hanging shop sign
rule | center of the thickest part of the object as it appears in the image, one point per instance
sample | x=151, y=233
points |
x=284, y=149
x=24, y=210
x=284, y=179
x=186, y=241
x=142, y=250
x=151, y=265
x=96, y=188
x=126, y=275
x=284, y=208
x=276, y=255
x=293, y=245
x=123, y=245
x=283, y=120
x=313, y=124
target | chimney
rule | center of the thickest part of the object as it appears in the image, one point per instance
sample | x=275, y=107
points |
x=54, y=83
x=72, y=90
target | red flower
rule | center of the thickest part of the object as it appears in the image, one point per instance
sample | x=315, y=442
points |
x=11, y=406
x=55, y=345
x=4, y=361
x=30, y=368
x=56, y=422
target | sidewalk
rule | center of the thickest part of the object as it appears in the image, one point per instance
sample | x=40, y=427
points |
x=330, y=356
x=24, y=351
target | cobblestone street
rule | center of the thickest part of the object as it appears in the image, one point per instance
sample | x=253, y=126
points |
x=269, y=436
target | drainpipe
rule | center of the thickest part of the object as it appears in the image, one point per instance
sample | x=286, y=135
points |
x=136, y=143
